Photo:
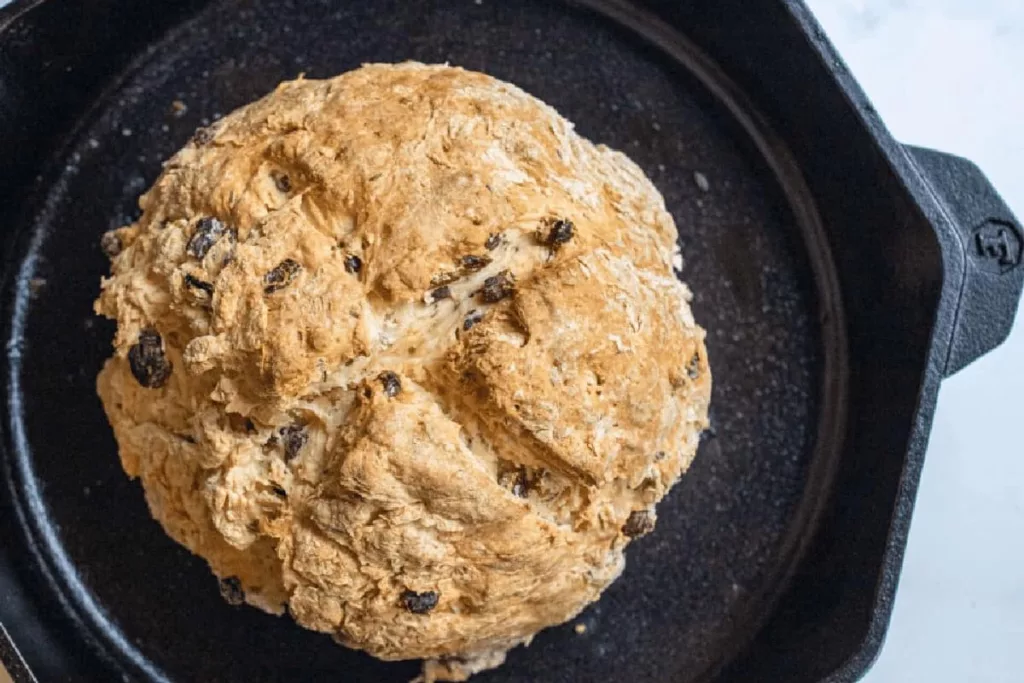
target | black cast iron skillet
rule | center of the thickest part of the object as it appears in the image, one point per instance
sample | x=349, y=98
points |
x=840, y=277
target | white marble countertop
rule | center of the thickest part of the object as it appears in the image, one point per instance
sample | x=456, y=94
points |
x=948, y=74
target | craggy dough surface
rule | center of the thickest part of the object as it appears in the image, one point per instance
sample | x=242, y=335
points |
x=535, y=414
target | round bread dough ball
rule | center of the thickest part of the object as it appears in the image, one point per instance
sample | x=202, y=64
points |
x=403, y=353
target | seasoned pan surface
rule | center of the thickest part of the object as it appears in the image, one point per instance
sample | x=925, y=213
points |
x=728, y=533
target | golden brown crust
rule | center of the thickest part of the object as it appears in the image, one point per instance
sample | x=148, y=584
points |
x=429, y=367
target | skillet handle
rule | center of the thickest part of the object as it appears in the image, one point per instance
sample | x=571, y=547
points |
x=989, y=248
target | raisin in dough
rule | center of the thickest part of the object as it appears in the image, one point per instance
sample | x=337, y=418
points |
x=403, y=353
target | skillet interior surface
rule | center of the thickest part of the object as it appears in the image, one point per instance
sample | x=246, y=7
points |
x=727, y=534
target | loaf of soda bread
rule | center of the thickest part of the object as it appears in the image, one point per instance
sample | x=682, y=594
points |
x=403, y=355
